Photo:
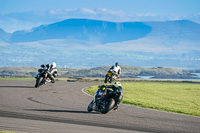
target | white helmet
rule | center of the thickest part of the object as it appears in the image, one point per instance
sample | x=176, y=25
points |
x=117, y=84
x=53, y=65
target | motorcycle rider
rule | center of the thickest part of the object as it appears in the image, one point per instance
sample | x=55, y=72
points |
x=52, y=71
x=117, y=89
x=117, y=69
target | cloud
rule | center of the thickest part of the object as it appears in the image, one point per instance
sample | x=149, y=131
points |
x=111, y=12
x=195, y=17
x=89, y=11
x=26, y=20
x=146, y=14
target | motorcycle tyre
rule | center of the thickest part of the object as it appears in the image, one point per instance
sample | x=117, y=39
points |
x=90, y=107
x=109, y=106
x=38, y=82
x=110, y=80
x=106, y=78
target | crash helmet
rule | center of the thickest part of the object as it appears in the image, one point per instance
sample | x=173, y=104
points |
x=116, y=64
x=117, y=84
x=53, y=65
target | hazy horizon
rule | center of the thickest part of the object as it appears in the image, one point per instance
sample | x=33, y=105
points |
x=26, y=14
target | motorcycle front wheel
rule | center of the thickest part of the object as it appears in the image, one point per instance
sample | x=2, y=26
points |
x=110, y=104
x=38, y=82
x=106, y=78
x=90, y=107
x=110, y=81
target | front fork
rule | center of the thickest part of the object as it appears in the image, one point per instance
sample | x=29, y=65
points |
x=44, y=80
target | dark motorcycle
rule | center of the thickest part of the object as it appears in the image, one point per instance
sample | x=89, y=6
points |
x=110, y=76
x=42, y=77
x=103, y=101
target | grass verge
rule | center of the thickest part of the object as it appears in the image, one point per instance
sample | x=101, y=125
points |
x=181, y=98
x=7, y=132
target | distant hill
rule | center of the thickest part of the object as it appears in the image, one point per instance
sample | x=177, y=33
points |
x=85, y=43
x=127, y=72
x=108, y=32
x=175, y=33
x=84, y=29
x=4, y=36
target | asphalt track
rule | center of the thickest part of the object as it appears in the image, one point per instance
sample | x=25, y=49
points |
x=62, y=108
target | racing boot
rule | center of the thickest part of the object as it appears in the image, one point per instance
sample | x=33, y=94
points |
x=52, y=78
x=116, y=106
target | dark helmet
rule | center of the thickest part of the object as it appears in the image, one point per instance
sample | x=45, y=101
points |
x=116, y=64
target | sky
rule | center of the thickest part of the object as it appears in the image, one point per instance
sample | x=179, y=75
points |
x=25, y=14
x=183, y=7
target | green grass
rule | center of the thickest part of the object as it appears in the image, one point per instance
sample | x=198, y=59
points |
x=7, y=132
x=181, y=98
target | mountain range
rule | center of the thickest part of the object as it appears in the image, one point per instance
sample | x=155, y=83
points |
x=82, y=29
x=91, y=43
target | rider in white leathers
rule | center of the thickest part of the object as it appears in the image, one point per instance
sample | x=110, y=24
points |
x=117, y=69
x=52, y=71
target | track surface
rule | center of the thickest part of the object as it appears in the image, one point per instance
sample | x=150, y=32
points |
x=62, y=107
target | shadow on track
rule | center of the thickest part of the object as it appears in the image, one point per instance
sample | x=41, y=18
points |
x=17, y=87
x=67, y=111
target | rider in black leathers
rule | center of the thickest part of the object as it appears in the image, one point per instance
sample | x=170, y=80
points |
x=117, y=89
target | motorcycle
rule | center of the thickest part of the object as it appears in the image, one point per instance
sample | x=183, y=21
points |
x=103, y=101
x=110, y=76
x=42, y=77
